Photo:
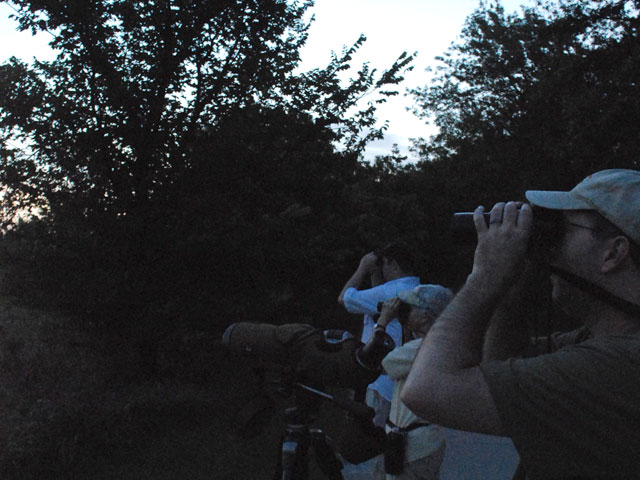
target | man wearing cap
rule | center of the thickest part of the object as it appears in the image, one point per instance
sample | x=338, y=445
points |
x=574, y=412
x=421, y=444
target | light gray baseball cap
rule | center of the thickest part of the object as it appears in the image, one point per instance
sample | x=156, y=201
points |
x=615, y=194
x=431, y=298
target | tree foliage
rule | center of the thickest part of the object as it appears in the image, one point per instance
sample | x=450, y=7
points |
x=531, y=100
x=188, y=174
x=542, y=98
x=111, y=121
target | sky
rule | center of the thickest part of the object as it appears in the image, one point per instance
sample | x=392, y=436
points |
x=391, y=27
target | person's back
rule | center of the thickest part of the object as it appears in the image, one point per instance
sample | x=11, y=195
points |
x=591, y=411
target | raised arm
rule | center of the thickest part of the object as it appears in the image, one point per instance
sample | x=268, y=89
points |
x=510, y=327
x=446, y=385
x=362, y=276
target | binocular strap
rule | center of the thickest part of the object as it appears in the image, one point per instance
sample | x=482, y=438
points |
x=595, y=290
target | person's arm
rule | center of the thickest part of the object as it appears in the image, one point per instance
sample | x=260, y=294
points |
x=388, y=312
x=362, y=276
x=445, y=385
x=398, y=362
x=508, y=333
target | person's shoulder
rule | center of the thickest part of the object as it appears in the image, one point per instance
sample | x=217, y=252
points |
x=412, y=346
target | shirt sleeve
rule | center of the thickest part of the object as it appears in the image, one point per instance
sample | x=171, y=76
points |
x=365, y=301
x=571, y=412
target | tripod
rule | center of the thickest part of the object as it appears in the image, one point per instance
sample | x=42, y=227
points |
x=299, y=438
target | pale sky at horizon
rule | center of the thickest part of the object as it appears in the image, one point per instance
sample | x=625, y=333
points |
x=391, y=27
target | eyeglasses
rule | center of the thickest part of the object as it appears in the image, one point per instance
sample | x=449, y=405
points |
x=562, y=226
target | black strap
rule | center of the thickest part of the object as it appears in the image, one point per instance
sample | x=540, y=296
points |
x=408, y=428
x=595, y=290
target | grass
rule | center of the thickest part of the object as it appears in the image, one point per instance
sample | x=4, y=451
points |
x=64, y=415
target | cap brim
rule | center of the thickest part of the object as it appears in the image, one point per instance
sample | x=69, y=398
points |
x=556, y=200
x=407, y=296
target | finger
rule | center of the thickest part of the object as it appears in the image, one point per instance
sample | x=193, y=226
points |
x=510, y=213
x=390, y=302
x=478, y=220
x=525, y=217
x=496, y=213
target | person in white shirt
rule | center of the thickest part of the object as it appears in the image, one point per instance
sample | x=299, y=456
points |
x=381, y=275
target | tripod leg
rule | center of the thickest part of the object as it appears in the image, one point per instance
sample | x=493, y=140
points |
x=328, y=461
x=288, y=459
x=292, y=464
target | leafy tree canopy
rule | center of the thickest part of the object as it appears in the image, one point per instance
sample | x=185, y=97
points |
x=541, y=98
x=188, y=173
x=111, y=121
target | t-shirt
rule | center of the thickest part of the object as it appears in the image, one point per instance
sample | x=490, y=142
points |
x=573, y=413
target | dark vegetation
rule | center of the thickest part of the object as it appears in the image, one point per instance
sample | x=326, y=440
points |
x=187, y=176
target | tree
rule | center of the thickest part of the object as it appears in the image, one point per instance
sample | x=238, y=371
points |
x=533, y=100
x=111, y=120
x=181, y=162
x=537, y=98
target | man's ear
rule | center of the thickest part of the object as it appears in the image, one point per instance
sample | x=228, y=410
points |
x=376, y=277
x=615, y=253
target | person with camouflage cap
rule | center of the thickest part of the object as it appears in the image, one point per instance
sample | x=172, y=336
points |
x=421, y=445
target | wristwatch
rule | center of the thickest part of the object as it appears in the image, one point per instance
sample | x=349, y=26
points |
x=377, y=325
